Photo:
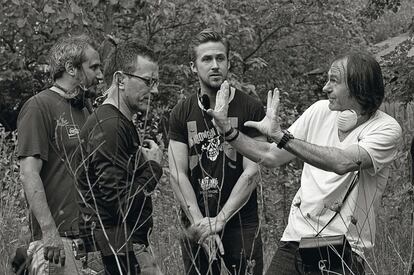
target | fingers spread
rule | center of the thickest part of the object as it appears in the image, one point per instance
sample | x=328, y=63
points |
x=269, y=99
x=275, y=99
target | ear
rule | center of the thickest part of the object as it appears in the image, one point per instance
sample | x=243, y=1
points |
x=193, y=67
x=119, y=80
x=70, y=69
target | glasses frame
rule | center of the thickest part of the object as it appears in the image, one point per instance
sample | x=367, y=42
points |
x=150, y=82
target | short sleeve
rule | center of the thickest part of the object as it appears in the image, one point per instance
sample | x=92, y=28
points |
x=381, y=143
x=32, y=131
x=177, y=131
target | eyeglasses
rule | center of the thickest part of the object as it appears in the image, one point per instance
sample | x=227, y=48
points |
x=150, y=82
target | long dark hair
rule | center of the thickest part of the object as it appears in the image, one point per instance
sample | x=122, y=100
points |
x=364, y=80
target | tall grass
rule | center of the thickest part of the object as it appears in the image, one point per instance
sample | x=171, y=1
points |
x=391, y=255
x=14, y=230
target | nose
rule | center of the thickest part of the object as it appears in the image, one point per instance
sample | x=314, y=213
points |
x=214, y=65
x=99, y=75
x=327, y=88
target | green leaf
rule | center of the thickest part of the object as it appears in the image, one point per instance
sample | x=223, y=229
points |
x=21, y=22
x=16, y=2
x=75, y=8
x=94, y=2
x=48, y=9
x=127, y=4
x=113, y=2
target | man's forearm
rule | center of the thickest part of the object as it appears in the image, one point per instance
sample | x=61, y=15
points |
x=186, y=197
x=251, y=148
x=326, y=158
x=36, y=198
x=239, y=195
x=260, y=151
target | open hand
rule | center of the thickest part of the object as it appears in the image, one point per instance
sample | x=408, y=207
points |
x=269, y=125
x=220, y=112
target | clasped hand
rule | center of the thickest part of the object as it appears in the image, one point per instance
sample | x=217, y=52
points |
x=205, y=232
x=268, y=126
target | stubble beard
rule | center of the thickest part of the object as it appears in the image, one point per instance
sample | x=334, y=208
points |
x=213, y=88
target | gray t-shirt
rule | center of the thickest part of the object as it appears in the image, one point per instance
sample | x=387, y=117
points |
x=48, y=128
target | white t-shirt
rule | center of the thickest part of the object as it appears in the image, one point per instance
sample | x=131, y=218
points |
x=310, y=210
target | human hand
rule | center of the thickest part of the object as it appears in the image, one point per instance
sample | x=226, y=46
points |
x=220, y=112
x=211, y=244
x=269, y=125
x=53, y=247
x=151, y=150
x=208, y=226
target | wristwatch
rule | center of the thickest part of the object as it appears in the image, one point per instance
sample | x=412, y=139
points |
x=286, y=137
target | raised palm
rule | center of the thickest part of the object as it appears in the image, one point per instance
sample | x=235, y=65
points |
x=220, y=112
x=269, y=125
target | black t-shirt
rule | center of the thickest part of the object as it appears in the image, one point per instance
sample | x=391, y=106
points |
x=115, y=175
x=48, y=127
x=214, y=166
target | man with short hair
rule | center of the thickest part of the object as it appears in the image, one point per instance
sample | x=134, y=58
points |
x=48, y=136
x=212, y=182
x=342, y=140
x=119, y=169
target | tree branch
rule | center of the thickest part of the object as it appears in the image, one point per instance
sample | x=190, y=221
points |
x=262, y=41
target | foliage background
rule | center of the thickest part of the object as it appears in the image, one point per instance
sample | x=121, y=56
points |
x=283, y=43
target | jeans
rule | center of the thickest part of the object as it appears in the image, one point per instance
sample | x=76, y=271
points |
x=287, y=261
x=39, y=266
x=141, y=261
x=242, y=254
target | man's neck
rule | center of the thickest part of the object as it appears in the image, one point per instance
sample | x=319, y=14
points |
x=211, y=93
x=66, y=87
x=119, y=104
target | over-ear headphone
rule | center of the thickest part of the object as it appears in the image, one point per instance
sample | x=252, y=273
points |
x=205, y=101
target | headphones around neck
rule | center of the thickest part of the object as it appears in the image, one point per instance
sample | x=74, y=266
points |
x=205, y=102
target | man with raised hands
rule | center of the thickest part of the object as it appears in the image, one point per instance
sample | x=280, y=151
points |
x=336, y=138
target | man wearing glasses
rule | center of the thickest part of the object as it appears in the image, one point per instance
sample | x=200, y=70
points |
x=120, y=169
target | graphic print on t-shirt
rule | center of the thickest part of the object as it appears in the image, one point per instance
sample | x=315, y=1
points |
x=207, y=145
x=212, y=148
x=71, y=130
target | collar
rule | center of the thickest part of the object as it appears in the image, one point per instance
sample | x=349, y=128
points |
x=231, y=97
x=58, y=90
x=62, y=91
